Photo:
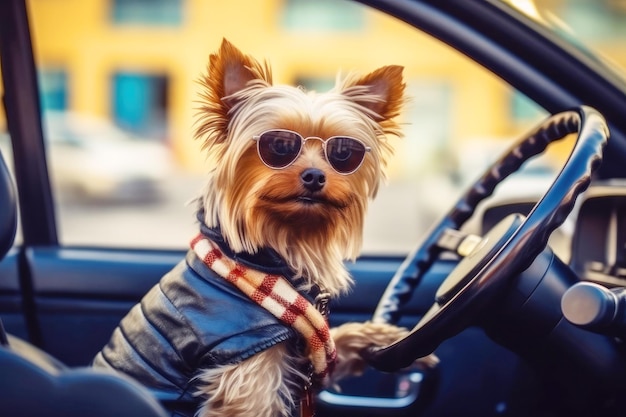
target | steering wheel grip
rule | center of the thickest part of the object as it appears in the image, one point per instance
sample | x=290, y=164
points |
x=531, y=236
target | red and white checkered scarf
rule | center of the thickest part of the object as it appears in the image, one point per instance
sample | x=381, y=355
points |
x=275, y=294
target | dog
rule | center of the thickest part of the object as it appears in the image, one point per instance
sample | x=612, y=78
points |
x=239, y=326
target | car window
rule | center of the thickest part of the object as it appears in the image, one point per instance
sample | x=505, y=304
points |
x=119, y=91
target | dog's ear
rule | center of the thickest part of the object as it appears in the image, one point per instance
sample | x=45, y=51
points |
x=380, y=92
x=229, y=72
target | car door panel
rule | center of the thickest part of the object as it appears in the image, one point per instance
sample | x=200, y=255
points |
x=101, y=273
x=79, y=295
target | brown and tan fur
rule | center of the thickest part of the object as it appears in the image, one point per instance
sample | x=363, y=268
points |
x=256, y=206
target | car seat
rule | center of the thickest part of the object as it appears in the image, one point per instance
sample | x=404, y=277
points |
x=33, y=383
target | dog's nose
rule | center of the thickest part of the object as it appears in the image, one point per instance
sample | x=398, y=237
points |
x=313, y=179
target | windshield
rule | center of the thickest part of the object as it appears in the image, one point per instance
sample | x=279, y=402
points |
x=595, y=28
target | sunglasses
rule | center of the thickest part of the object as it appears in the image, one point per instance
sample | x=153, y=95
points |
x=279, y=148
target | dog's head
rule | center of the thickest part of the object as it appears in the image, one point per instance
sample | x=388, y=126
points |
x=293, y=171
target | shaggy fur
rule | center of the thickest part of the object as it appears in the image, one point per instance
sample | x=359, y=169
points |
x=261, y=386
x=258, y=207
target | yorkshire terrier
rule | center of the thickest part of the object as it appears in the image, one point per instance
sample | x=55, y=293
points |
x=240, y=325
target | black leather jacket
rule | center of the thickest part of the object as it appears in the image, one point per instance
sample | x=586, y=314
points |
x=194, y=319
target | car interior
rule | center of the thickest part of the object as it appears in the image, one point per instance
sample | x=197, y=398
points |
x=59, y=389
x=518, y=291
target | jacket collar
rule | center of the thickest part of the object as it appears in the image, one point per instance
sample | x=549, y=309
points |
x=265, y=260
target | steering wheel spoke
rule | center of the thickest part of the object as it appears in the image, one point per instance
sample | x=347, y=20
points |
x=458, y=242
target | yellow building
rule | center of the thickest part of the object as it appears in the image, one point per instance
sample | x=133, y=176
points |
x=89, y=51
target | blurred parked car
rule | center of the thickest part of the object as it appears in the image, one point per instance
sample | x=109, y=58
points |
x=92, y=159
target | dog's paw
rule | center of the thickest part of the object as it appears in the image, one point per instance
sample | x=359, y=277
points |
x=352, y=338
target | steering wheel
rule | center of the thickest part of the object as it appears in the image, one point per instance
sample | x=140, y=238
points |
x=505, y=251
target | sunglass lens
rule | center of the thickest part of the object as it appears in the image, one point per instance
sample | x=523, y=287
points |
x=345, y=154
x=278, y=148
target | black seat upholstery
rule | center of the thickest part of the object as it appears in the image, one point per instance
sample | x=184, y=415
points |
x=8, y=221
x=32, y=383
x=8, y=209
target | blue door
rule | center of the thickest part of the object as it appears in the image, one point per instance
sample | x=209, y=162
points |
x=140, y=103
